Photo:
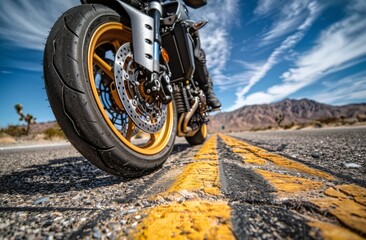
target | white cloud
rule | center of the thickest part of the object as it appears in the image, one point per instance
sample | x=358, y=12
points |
x=358, y=6
x=274, y=58
x=221, y=15
x=296, y=15
x=26, y=23
x=237, y=80
x=265, y=7
x=30, y=66
x=343, y=91
x=271, y=61
x=339, y=47
x=340, y=44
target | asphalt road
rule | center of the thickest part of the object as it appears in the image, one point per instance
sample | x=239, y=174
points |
x=340, y=151
x=297, y=185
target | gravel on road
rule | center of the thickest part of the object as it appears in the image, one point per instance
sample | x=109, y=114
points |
x=55, y=193
x=340, y=151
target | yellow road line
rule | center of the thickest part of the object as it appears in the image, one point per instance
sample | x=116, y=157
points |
x=356, y=192
x=209, y=150
x=199, y=176
x=290, y=164
x=258, y=155
x=345, y=202
x=187, y=220
x=333, y=232
x=205, y=219
x=202, y=175
x=287, y=185
x=238, y=147
x=198, y=219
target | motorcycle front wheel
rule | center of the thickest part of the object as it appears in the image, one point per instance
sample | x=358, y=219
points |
x=80, y=84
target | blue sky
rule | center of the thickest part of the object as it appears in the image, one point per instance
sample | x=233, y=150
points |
x=257, y=51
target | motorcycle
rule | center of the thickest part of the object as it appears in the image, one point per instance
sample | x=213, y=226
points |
x=119, y=78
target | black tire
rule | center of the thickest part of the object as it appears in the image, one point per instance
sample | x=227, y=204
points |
x=199, y=137
x=75, y=102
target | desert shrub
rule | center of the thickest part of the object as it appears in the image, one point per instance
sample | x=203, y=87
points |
x=255, y=129
x=361, y=117
x=14, y=131
x=328, y=120
x=54, y=132
x=318, y=124
x=288, y=126
x=350, y=121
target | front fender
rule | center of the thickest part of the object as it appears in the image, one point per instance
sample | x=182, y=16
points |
x=142, y=30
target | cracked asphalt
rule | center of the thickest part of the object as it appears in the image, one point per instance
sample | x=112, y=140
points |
x=265, y=185
x=341, y=151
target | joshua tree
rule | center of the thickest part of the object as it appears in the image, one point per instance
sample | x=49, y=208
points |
x=279, y=119
x=29, y=119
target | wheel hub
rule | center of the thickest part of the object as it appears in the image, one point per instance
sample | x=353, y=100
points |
x=147, y=113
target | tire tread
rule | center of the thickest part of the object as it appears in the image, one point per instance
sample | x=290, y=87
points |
x=72, y=101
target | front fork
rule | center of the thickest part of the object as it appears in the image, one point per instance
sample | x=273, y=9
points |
x=160, y=81
x=155, y=11
x=146, y=48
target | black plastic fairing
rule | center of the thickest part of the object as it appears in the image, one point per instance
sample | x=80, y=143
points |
x=179, y=46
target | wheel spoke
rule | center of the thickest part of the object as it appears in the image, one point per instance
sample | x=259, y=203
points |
x=116, y=44
x=103, y=65
x=109, y=37
x=130, y=129
x=151, y=140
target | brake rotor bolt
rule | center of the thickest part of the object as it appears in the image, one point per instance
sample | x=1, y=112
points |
x=148, y=91
x=134, y=102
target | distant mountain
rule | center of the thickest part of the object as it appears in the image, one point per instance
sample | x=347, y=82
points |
x=42, y=126
x=286, y=112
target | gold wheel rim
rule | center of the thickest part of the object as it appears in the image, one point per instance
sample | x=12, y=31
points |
x=116, y=34
x=204, y=130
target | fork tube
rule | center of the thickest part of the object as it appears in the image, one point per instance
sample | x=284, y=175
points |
x=155, y=12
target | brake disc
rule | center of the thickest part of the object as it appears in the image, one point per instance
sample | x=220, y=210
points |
x=147, y=113
x=106, y=92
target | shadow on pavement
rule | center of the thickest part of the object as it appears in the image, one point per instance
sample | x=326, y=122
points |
x=57, y=176
x=61, y=175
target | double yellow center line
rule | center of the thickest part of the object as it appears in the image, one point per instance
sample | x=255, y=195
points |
x=205, y=213
x=346, y=202
x=195, y=218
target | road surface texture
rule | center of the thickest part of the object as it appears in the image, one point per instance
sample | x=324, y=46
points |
x=265, y=185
